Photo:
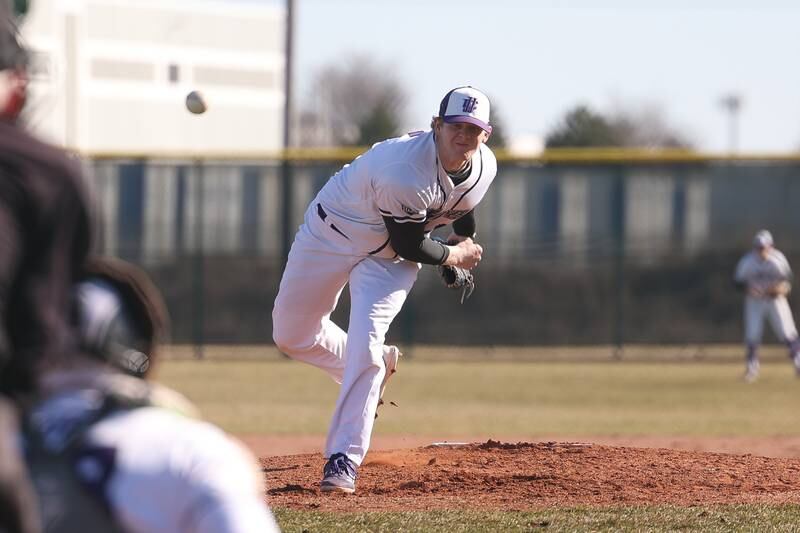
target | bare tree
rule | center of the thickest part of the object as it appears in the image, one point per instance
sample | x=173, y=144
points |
x=646, y=127
x=582, y=127
x=358, y=102
x=634, y=128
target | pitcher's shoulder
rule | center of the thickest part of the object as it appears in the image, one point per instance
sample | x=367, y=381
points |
x=410, y=151
x=413, y=140
x=488, y=158
x=487, y=153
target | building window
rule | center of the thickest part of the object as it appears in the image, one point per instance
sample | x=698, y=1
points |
x=174, y=73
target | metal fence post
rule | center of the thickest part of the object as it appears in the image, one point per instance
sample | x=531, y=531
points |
x=287, y=214
x=198, y=266
x=618, y=229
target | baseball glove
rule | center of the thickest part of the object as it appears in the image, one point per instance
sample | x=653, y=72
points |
x=456, y=278
x=459, y=279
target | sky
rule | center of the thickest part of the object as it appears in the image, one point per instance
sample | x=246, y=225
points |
x=536, y=59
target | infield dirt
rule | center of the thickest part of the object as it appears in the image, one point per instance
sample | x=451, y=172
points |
x=516, y=476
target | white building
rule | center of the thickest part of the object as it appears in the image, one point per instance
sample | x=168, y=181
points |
x=111, y=76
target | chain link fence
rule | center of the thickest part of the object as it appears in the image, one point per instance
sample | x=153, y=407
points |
x=610, y=250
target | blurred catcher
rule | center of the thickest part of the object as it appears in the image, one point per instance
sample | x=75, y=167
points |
x=44, y=239
x=44, y=236
x=765, y=276
x=109, y=451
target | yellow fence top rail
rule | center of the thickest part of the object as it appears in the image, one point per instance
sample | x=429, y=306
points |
x=584, y=156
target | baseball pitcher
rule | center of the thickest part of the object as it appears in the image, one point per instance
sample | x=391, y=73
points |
x=765, y=276
x=370, y=227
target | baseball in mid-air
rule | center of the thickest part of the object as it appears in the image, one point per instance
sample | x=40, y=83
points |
x=196, y=103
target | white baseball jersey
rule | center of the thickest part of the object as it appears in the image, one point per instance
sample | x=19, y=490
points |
x=761, y=274
x=157, y=470
x=344, y=240
x=403, y=179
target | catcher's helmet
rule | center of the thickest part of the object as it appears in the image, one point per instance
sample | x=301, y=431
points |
x=120, y=314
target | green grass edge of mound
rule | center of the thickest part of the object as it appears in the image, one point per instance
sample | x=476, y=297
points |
x=722, y=518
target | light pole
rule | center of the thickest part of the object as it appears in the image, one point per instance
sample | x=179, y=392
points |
x=286, y=177
x=732, y=103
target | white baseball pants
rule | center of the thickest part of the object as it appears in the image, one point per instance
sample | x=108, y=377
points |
x=776, y=310
x=320, y=264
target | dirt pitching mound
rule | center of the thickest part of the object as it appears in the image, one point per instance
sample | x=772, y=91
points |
x=504, y=476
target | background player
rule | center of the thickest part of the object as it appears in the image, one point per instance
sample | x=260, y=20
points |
x=369, y=226
x=765, y=275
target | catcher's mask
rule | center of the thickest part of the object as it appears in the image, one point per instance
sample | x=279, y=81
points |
x=120, y=314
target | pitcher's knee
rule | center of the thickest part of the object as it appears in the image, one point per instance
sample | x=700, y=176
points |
x=286, y=341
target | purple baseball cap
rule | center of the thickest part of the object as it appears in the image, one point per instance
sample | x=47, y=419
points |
x=466, y=104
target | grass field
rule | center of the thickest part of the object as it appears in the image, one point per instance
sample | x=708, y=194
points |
x=717, y=519
x=519, y=398
x=684, y=396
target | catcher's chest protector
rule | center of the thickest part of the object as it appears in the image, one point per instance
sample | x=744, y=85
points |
x=70, y=475
x=67, y=504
